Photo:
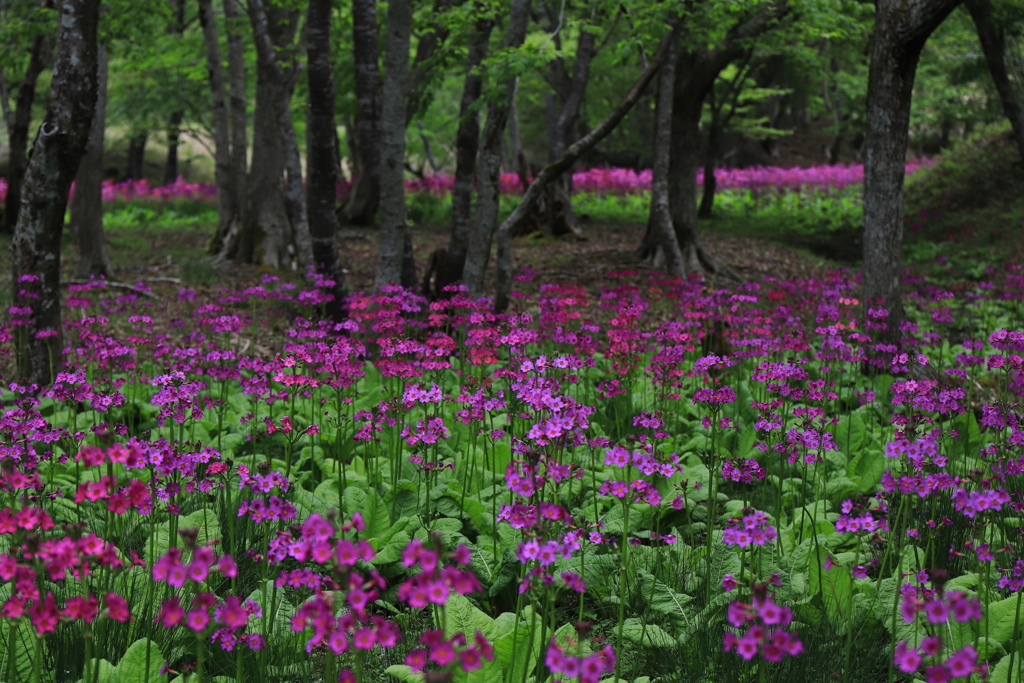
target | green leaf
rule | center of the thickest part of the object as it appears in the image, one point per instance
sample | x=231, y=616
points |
x=22, y=651
x=371, y=506
x=404, y=673
x=999, y=620
x=650, y=635
x=1002, y=674
x=132, y=667
x=106, y=673
x=463, y=617
x=204, y=519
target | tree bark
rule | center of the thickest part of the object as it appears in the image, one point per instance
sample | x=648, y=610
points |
x=173, y=137
x=295, y=197
x=238, y=115
x=321, y=142
x=266, y=234
x=563, y=221
x=901, y=29
x=58, y=150
x=18, y=126
x=224, y=174
x=488, y=184
x=564, y=163
x=87, y=205
x=661, y=237
x=361, y=206
x=467, y=142
x=135, y=166
x=993, y=43
x=392, y=145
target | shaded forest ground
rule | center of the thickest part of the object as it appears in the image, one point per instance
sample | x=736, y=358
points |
x=969, y=206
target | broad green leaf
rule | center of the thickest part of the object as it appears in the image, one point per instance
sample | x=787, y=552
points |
x=1000, y=617
x=649, y=635
x=370, y=505
x=1002, y=673
x=463, y=617
x=404, y=673
x=132, y=667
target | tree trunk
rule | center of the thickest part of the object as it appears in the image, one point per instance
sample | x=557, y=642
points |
x=135, y=166
x=321, y=143
x=265, y=236
x=993, y=43
x=488, y=185
x=564, y=163
x=660, y=242
x=707, y=198
x=239, y=121
x=87, y=205
x=901, y=29
x=361, y=206
x=58, y=150
x=563, y=221
x=173, y=136
x=18, y=126
x=224, y=174
x=467, y=142
x=295, y=197
x=392, y=145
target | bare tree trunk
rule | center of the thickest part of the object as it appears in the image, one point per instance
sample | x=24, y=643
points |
x=295, y=197
x=239, y=121
x=660, y=241
x=59, y=147
x=321, y=143
x=363, y=201
x=87, y=205
x=18, y=126
x=173, y=137
x=707, y=198
x=564, y=163
x=563, y=221
x=467, y=142
x=993, y=43
x=266, y=233
x=901, y=29
x=135, y=166
x=392, y=145
x=488, y=185
x=224, y=174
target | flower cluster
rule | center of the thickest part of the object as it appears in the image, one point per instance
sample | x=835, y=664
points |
x=765, y=632
x=753, y=528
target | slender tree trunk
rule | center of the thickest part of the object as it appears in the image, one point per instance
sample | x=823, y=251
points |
x=321, y=143
x=18, y=127
x=58, y=150
x=173, y=137
x=993, y=43
x=563, y=221
x=563, y=164
x=488, y=185
x=87, y=205
x=295, y=197
x=707, y=198
x=237, y=109
x=266, y=233
x=392, y=145
x=361, y=206
x=901, y=29
x=467, y=142
x=135, y=167
x=224, y=174
x=661, y=242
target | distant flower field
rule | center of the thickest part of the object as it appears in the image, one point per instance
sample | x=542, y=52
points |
x=600, y=181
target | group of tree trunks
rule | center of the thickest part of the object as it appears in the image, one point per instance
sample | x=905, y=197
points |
x=265, y=216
